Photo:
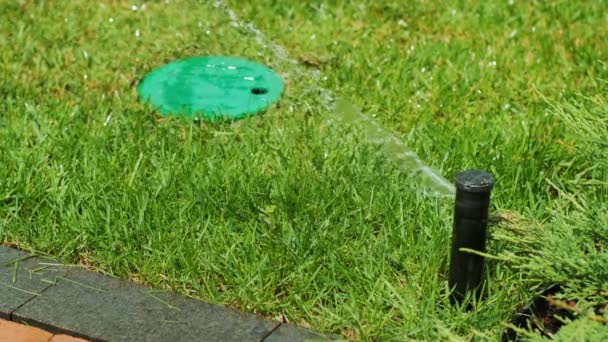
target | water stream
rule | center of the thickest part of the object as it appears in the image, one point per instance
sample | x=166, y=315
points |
x=344, y=113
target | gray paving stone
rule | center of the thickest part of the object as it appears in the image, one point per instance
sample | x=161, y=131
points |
x=291, y=333
x=96, y=307
x=22, y=277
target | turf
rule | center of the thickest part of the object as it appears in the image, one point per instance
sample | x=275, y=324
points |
x=288, y=214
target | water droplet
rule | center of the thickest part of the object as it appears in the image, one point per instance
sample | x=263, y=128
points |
x=402, y=23
x=111, y=20
x=137, y=33
x=107, y=121
x=134, y=8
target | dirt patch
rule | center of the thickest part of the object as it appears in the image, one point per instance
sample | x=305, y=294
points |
x=543, y=314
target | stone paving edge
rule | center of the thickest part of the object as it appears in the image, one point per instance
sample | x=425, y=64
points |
x=88, y=305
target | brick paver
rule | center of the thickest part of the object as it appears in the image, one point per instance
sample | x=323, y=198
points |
x=15, y=332
x=65, y=338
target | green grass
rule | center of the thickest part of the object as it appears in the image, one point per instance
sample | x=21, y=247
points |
x=285, y=214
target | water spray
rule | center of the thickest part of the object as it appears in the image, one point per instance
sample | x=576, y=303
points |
x=345, y=113
x=396, y=151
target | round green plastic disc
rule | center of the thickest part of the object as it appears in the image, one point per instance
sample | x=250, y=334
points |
x=211, y=87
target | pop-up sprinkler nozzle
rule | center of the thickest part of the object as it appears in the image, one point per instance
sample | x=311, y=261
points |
x=473, y=190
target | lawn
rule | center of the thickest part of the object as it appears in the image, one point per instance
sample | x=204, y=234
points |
x=297, y=214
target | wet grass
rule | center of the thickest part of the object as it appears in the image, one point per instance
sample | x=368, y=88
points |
x=285, y=214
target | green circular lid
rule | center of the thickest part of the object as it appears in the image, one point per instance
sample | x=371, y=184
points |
x=213, y=87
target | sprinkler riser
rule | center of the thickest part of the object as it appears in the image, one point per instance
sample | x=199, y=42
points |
x=471, y=209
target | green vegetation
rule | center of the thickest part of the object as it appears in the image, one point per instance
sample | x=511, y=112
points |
x=287, y=215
